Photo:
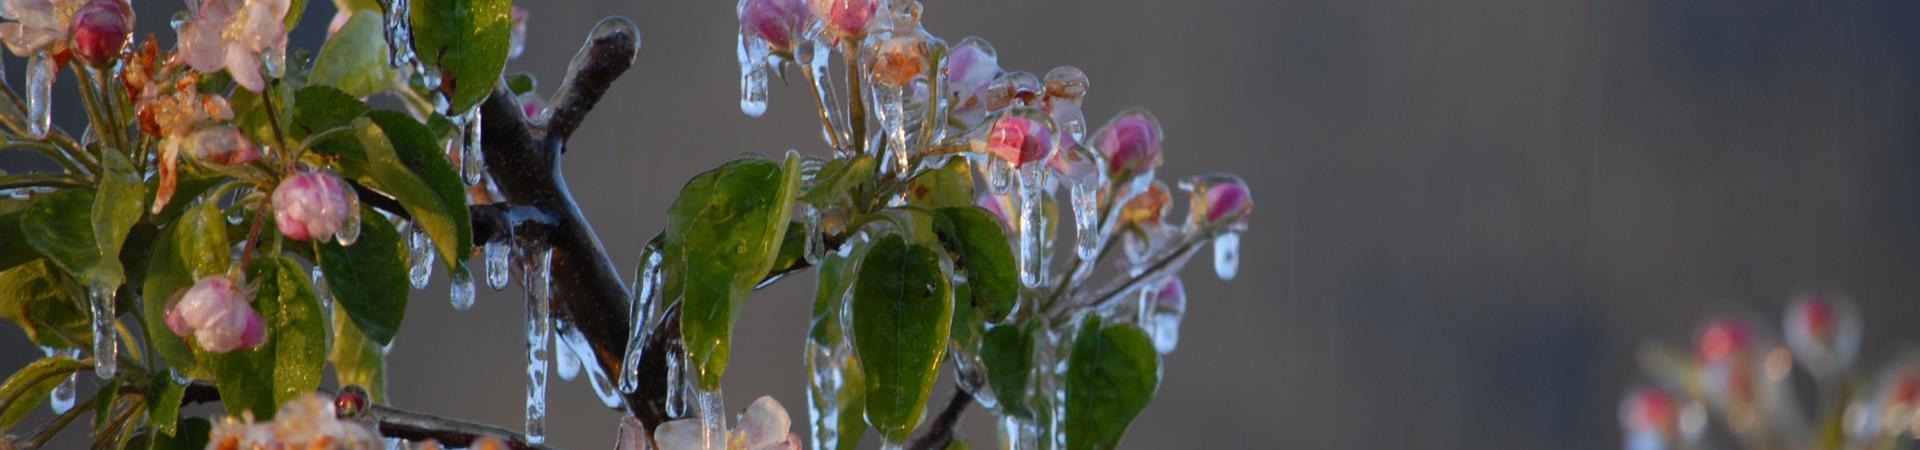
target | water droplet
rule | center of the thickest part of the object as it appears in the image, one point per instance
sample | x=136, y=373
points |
x=646, y=291
x=1226, y=255
x=421, y=256
x=461, y=291
x=712, y=410
x=349, y=231
x=40, y=76
x=473, y=163
x=1032, y=255
x=106, y=341
x=536, y=276
x=498, y=272
x=753, y=74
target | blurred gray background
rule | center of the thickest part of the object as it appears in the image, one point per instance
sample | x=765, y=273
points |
x=1470, y=213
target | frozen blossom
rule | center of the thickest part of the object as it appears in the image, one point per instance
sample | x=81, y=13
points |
x=100, y=30
x=216, y=314
x=305, y=422
x=764, y=426
x=314, y=205
x=37, y=26
x=239, y=36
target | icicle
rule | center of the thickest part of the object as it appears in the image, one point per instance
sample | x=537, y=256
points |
x=421, y=256
x=536, y=279
x=971, y=374
x=816, y=247
x=1085, y=176
x=712, y=410
x=1161, y=310
x=753, y=73
x=40, y=76
x=106, y=340
x=461, y=291
x=678, y=384
x=473, y=162
x=498, y=273
x=646, y=289
x=890, y=103
x=400, y=33
x=825, y=380
x=1032, y=261
x=564, y=358
x=1018, y=434
x=1226, y=255
x=813, y=56
x=61, y=399
x=633, y=435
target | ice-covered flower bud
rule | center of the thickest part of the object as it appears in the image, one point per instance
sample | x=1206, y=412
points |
x=971, y=66
x=1132, y=143
x=100, y=30
x=1228, y=199
x=1148, y=208
x=765, y=425
x=845, y=18
x=312, y=205
x=223, y=145
x=1013, y=89
x=779, y=22
x=897, y=61
x=1020, y=138
x=216, y=313
x=352, y=402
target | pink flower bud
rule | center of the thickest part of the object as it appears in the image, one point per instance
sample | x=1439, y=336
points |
x=846, y=18
x=1824, y=331
x=312, y=205
x=100, y=30
x=175, y=322
x=1227, y=199
x=778, y=22
x=216, y=312
x=1723, y=339
x=1649, y=409
x=971, y=67
x=1020, y=139
x=1131, y=142
x=223, y=145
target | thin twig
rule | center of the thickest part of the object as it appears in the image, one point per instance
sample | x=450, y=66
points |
x=404, y=424
x=856, y=106
x=47, y=431
x=946, y=425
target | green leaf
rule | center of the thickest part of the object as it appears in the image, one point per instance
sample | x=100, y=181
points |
x=521, y=83
x=354, y=59
x=1111, y=375
x=981, y=250
x=60, y=225
x=103, y=402
x=902, y=311
x=14, y=249
x=948, y=186
x=116, y=208
x=369, y=278
x=1008, y=353
x=289, y=364
x=467, y=40
x=322, y=107
x=722, y=236
x=193, y=246
x=30, y=385
x=192, y=435
x=34, y=297
x=837, y=177
x=358, y=361
x=409, y=165
x=165, y=396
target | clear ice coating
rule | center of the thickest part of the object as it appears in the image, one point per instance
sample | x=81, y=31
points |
x=753, y=73
x=1085, y=179
x=324, y=294
x=890, y=108
x=813, y=57
x=40, y=76
x=564, y=357
x=400, y=33
x=816, y=246
x=1018, y=434
x=645, y=292
x=679, y=385
x=498, y=272
x=62, y=397
x=999, y=175
x=1033, y=179
x=1162, y=309
x=826, y=377
x=461, y=291
x=1226, y=255
x=536, y=279
x=106, y=342
x=711, y=407
x=420, y=256
x=970, y=373
x=473, y=163
x=349, y=231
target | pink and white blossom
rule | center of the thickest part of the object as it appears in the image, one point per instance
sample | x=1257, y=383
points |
x=779, y=22
x=239, y=36
x=764, y=426
x=216, y=314
x=37, y=26
x=313, y=205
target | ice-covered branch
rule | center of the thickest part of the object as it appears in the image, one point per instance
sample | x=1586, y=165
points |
x=404, y=424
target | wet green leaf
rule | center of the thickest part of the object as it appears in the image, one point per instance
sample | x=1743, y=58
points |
x=1111, y=375
x=60, y=225
x=29, y=386
x=982, y=251
x=194, y=246
x=837, y=177
x=1008, y=353
x=355, y=58
x=413, y=169
x=116, y=208
x=164, y=400
x=723, y=234
x=948, y=186
x=902, y=311
x=288, y=364
x=467, y=40
x=369, y=278
x=34, y=297
x=323, y=107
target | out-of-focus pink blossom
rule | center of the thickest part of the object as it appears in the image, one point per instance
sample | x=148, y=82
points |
x=239, y=36
x=846, y=18
x=312, y=205
x=779, y=22
x=764, y=426
x=216, y=313
x=100, y=30
x=305, y=422
x=37, y=25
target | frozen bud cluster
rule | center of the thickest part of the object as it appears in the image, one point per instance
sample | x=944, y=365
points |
x=215, y=313
x=315, y=205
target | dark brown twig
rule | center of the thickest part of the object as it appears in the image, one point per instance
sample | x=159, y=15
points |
x=946, y=425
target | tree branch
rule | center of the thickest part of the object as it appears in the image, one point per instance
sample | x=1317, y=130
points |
x=609, y=52
x=404, y=424
x=946, y=425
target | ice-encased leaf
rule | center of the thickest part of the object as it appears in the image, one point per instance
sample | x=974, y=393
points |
x=369, y=279
x=1008, y=353
x=402, y=158
x=354, y=59
x=28, y=387
x=1111, y=375
x=723, y=234
x=902, y=314
x=467, y=40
